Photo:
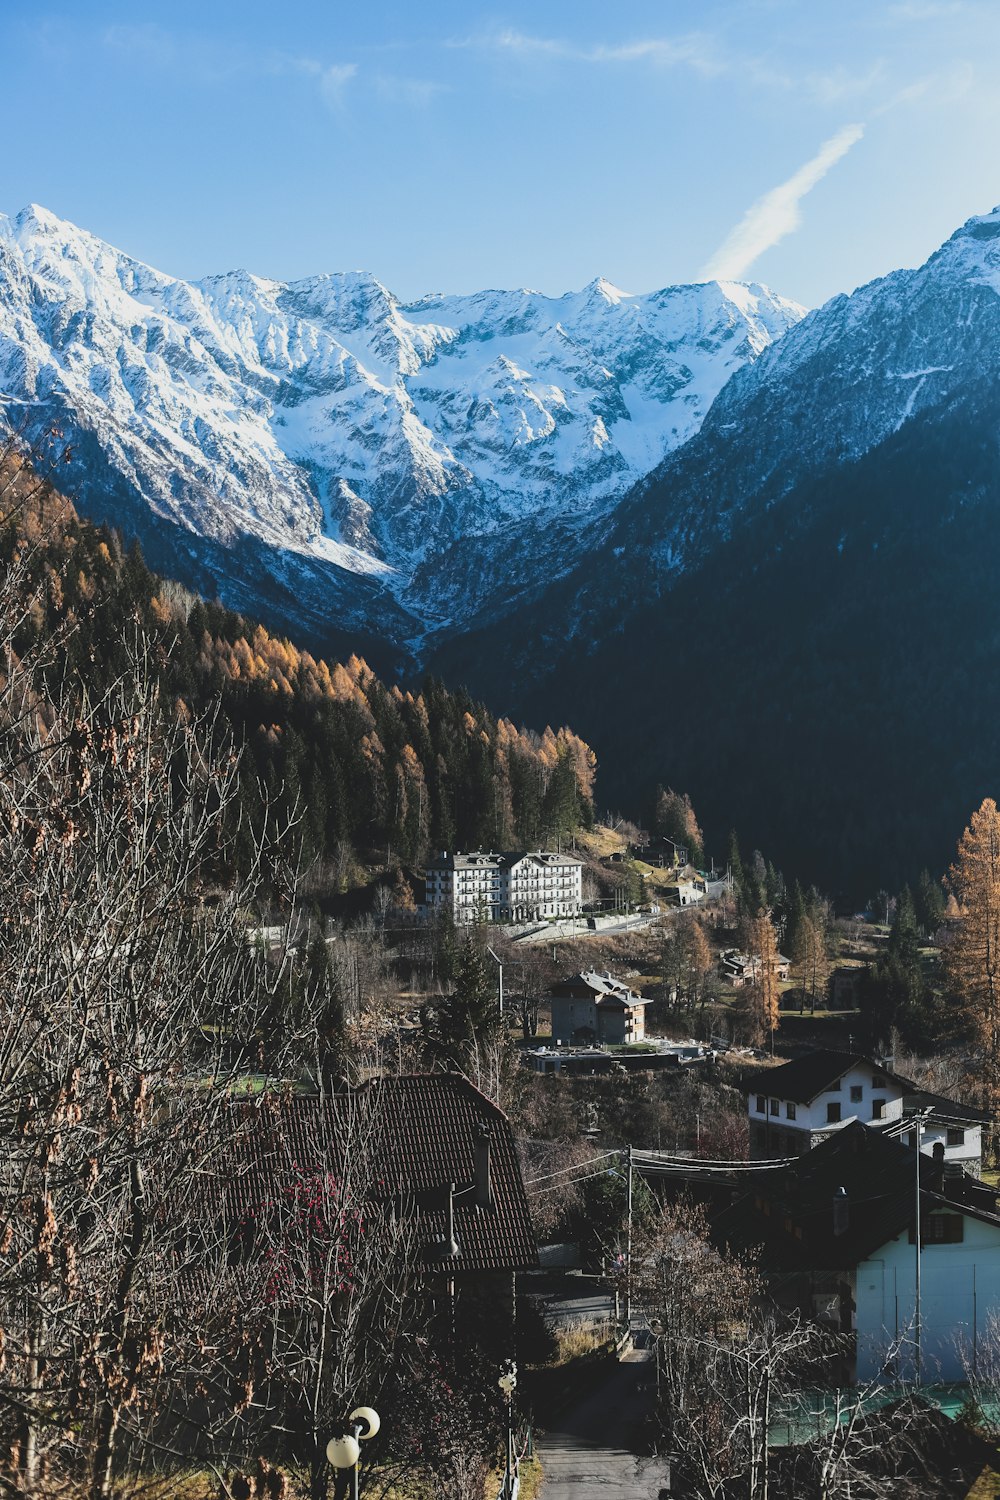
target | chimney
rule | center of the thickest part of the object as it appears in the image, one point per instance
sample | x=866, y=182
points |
x=484, y=1180
x=841, y=1211
x=938, y=1170
x=954, y=1181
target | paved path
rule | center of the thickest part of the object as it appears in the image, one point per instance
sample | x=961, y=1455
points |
x=593, y=1454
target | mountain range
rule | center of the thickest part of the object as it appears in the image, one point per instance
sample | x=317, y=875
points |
x=747, y=551
x=321, y=453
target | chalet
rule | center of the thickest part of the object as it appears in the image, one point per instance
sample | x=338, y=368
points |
x=593, y=1007
x=795, y=1106
x=740, y=969
x=437, y=1152
x=835, y=1232
x=660, y=852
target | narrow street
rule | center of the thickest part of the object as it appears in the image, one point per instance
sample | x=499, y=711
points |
x=594, y=1453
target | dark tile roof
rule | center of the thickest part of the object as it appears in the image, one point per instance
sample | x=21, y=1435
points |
x=418, y=1137
x=943, y=1109
x=804, y=1078
x=788, y=1213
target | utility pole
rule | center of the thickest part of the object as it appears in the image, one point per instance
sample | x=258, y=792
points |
x=499, y=964
x=628, y=1251
x=919, y=1119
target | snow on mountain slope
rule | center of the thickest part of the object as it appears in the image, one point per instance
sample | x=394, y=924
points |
x=913, y=348
x=323, y=420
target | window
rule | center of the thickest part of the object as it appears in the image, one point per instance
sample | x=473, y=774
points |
x=878, y=1108
x=833, y=1113
x=775, y=1107
x=940, y=1229
x=857, y=1093
x=790, y=1111
x=956, y=1137
x=834, y=1087
x=761, y=1105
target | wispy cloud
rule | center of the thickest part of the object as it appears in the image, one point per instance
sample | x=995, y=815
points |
x=146, y=42
x=149, y=45
x=926, y=10
x=777, y=213
x=695, y=50
x=333, y=81
x=415, y=92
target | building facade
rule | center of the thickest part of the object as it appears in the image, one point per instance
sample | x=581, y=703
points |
x=593, y=1007
x=793, y=1107
x=518, y=887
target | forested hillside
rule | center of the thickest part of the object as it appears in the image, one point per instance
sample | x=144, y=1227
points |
x=373, y=771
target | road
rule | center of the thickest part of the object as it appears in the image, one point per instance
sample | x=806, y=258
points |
x=563, y=932
x=580, y=1302
x=596, y=1452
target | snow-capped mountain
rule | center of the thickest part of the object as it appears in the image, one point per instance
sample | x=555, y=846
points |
x=387, y=463
x=794, y=617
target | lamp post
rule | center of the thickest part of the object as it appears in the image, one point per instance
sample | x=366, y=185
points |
x=508, y=1385
x=499, y=964
x=344, y=1452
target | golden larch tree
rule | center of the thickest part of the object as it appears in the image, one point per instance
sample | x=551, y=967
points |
x=973, y=958
x=763, y=950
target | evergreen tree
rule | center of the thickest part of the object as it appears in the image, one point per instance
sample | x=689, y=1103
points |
x=904, y=939
x=464, y=1028
x=733, y=859
x=328, y=1006
x=929, y=900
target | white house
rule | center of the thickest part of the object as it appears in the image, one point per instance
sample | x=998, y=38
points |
x=518, y=887
x=959, y=1294
x=795, y=1106
x=835, y=1233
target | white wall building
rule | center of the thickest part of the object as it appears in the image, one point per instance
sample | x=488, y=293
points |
x=959, y=1296
x=518, y=887
x=793, y=1107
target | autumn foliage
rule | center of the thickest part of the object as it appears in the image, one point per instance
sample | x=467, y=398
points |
x=370, y=769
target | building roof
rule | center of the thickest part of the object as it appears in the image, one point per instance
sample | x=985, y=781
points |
x=479, y=859
x=803, y=1079
x=605, y=989
x=946, y=1110
x=419, y=1135
x=788, y=1213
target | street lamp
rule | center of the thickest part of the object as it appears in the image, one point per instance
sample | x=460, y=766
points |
x=344, y=1452
x=508, y=1385
x=499, y=964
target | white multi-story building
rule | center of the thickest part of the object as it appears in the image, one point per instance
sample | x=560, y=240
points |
x=795, y=1106
x=505, y=887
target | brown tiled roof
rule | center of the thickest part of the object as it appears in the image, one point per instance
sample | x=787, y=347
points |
x=420, y=1135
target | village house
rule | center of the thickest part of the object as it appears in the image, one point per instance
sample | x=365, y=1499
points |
x=593, y=1007
x=660, y=852
x=688, y=888
x=517, y=887
x=740, y=969
x=793, y=1107
x=835, y=1235
x=438, y=1153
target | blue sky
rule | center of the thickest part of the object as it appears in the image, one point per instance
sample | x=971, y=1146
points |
x=811, y=144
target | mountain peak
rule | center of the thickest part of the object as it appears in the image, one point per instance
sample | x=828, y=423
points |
x=602, y=287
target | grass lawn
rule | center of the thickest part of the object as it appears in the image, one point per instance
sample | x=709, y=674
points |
x=987, y=1486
